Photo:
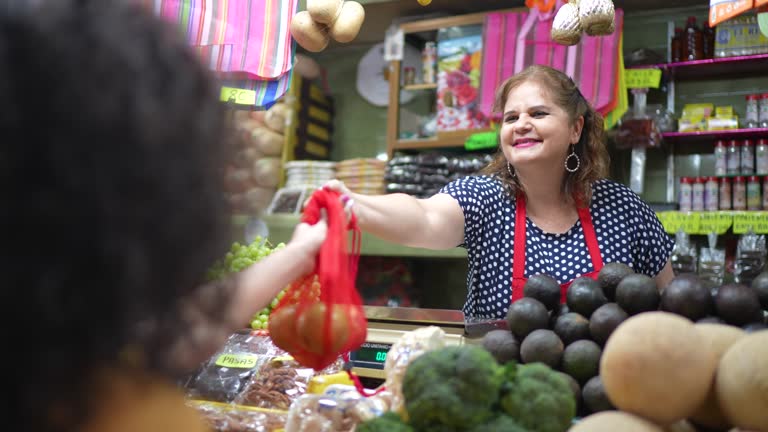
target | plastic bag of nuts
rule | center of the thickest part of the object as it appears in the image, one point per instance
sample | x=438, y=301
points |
x=278, y=382
x=233, y=418
x=339, y=409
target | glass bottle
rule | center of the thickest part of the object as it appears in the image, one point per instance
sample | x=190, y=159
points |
x=693, y=40
x=708, y=40
x=676, y=46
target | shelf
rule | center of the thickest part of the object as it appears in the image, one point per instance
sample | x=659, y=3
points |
x=714, y=68
x=412, y=87
x=442, y=140
x=281, y=228
x=705, y=140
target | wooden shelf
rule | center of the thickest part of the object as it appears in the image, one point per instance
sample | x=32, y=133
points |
x=413, y=87
x=281, y=228
x=452, y=139
x=714, y=68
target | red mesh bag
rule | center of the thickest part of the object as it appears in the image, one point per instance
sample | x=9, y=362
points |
x=321, y=315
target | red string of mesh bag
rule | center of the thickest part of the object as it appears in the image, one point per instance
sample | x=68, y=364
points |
x=321, y=315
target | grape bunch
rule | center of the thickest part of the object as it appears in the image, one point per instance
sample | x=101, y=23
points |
x=238, y=259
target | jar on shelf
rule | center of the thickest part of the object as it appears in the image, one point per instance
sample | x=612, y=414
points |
x=747, y=157
x=753, y=193
x=697, y=197
x=685, y=201
x=739, y=193
x=761, y=157
x=733, y=158
x=720, y=158
x=762, y=114
x=711, y=188
x=752, y=112
x=724, y=193
x=409, y=75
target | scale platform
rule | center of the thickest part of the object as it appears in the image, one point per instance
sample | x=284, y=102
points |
x=387, y=324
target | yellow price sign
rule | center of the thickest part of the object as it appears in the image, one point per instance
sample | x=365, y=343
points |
x=237, y=360
x=672, y=221
x=692, y=222
x=717, y=222
x=643, y=78
x=757, y=220
x=238, y=96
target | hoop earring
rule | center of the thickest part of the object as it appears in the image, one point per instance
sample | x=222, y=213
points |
x=572, y=155
x=509, y=169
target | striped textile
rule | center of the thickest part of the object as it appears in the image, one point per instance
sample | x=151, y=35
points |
x=596, y=57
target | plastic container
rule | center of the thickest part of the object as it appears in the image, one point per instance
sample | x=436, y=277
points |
x=763, y=110
x=697, y=199
x=724, y=194
x=761, y=157
x=747, y=157
x=721, y=152
x=753, y=193
x=711, y=191
x=752, y=112
x=733, y=158
x=739, y=193
x=686, y=193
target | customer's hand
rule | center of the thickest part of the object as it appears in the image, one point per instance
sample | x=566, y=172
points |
x=307, y=240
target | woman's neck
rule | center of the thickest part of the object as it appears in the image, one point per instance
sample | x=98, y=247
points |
x=546, y=204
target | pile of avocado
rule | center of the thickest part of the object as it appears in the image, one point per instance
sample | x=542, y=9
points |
x=569, y=337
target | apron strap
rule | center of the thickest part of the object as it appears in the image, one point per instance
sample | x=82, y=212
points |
x=589, y=235
x=518, y=257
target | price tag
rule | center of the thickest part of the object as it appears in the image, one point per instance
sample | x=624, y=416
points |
x=692, y=222
x=757, y=220
x=718, y=222
x=240, y=361
x=238, y=96
x=643, y=78
x=672, y=221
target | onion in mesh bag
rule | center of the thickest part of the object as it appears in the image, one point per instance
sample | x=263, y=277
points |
x=597, y=17
x=566, y=27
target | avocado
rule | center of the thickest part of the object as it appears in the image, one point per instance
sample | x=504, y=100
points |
x=760, y=286
x=525, y=316
x=605, y=320
x=571, y=327
x=687, y=296
x=610, y=276
x=581, y=360
x=637, y=293
x=542, y=346
x=575, y=388
x=584, y=296
x=543, y=288
x=503, y=345
x=594, y=396
x=710, y=320
x=561, y=310
x=738, y=305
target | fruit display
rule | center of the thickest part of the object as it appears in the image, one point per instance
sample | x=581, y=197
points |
x=651, y=353
x=238, y=259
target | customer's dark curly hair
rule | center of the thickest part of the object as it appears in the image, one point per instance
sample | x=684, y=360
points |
x=111, y=154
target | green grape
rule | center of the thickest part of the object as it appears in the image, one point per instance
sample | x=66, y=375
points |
x=264, y=311
x=273, y=304
x=256, y=325
x=281, y=294
x=264, y=317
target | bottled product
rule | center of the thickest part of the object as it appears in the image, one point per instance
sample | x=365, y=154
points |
x=428, y=62
x=712, y=262
x=761, y=157
x=753, y=193
x=724, y=194
x=676, y=46
x=711, y=188
x=765, y=193
x=739, y=193
x=409, y=75
x=720, y=158
x=697, y=200
x=683, y=258
x=747, y=157
x=763, y=110
x=686, y=193
x=733, y=158
x=752, y=111
x=693, y=40
x=708, y=40
x=750, y=257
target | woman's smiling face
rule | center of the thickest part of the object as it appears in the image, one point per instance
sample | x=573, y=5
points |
x=535, y=131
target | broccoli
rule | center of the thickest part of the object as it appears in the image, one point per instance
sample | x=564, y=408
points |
x=388, y=422
x=538, y=398
x=500, y=423
x=451, y=389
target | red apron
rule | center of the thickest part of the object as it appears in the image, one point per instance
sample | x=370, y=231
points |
x=518, y=266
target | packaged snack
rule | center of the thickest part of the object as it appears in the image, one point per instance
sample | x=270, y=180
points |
x=234, y=418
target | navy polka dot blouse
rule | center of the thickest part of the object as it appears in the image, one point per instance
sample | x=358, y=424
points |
x=627, y=230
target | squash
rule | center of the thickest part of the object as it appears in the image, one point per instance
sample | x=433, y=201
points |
x=311, y=35
x=324, y=11
x=348, y=24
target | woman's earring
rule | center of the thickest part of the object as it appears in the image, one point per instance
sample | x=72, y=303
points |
x=509, y=169
x=575, y=156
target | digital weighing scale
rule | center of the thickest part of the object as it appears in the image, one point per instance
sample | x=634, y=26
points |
x=387, y=324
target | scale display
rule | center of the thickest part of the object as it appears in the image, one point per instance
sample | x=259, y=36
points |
x=370, y=355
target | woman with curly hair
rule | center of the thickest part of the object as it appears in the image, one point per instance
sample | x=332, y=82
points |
x=543, y=205
x=111, y=158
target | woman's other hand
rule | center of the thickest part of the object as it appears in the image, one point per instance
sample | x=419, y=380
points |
x=307, y=240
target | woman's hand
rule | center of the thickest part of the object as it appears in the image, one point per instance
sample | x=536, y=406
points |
x=306, y=240
x=346, y=195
